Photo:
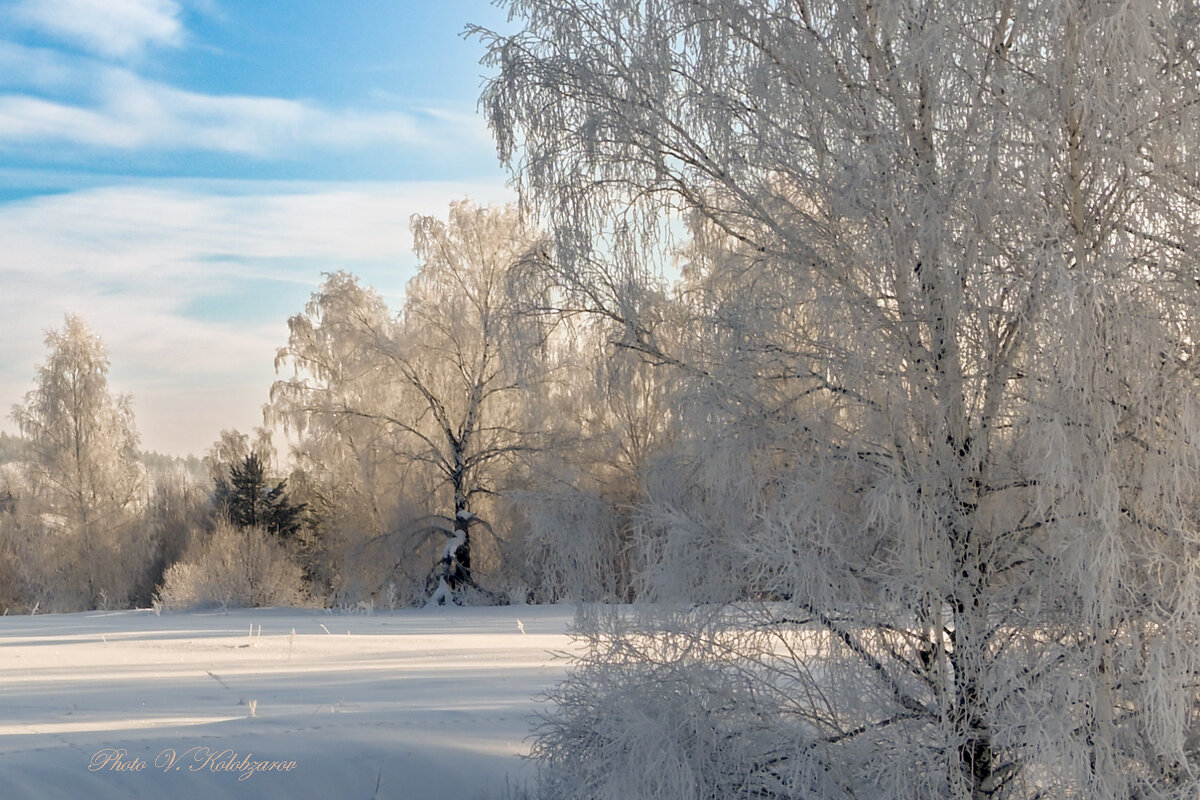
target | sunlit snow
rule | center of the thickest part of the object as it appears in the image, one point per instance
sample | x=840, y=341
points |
x=412, y=704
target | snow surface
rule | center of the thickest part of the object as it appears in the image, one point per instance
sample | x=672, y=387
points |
x=413, y=704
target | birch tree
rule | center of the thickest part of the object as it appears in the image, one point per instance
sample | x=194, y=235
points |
x=610, y=414
x=442, y=379
x=361, y=493
x=86, y=484
x=951, y=252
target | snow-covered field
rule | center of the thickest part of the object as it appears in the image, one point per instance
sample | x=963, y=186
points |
x=274, y=703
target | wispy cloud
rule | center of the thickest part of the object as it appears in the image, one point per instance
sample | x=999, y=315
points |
x=58, y=100
x=121, y=110
x=191, y=286
x=40, y=69
x=118, y=29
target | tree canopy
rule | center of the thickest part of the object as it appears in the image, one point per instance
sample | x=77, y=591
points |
x=435, y=388
x=85, y=484
x=942, y=268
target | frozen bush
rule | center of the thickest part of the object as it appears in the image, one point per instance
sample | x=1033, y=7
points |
x=653, y=713
x=234, y=567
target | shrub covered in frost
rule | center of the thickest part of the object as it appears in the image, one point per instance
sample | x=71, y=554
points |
x=234, y=567
x=655, y=711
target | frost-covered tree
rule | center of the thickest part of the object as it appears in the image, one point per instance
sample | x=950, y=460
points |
x=357, y=491
x=11, y=448
x=947, y=254
x=178, y=511
x=86, y=485
x=611, y=414
x=440, y=380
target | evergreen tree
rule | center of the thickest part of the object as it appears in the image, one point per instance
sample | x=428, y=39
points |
x=249, y=499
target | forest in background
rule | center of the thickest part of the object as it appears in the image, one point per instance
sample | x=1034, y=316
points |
x=471, y=447
x=474, y=446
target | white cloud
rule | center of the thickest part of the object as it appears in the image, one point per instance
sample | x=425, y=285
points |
x=25, y=119
x=120, y=29
x=170, y=118
x=38, y=68
x=125, y=111
x=150, y=266
x=50, y=99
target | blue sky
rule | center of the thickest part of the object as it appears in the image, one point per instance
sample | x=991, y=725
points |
x=181, y=172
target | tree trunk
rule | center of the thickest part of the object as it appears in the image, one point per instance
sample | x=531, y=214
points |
x=459, y=559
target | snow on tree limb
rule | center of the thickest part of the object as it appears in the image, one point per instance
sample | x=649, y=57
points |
x=941, y=283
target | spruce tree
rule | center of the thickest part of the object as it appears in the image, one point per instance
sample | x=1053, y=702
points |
x=249, y=499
